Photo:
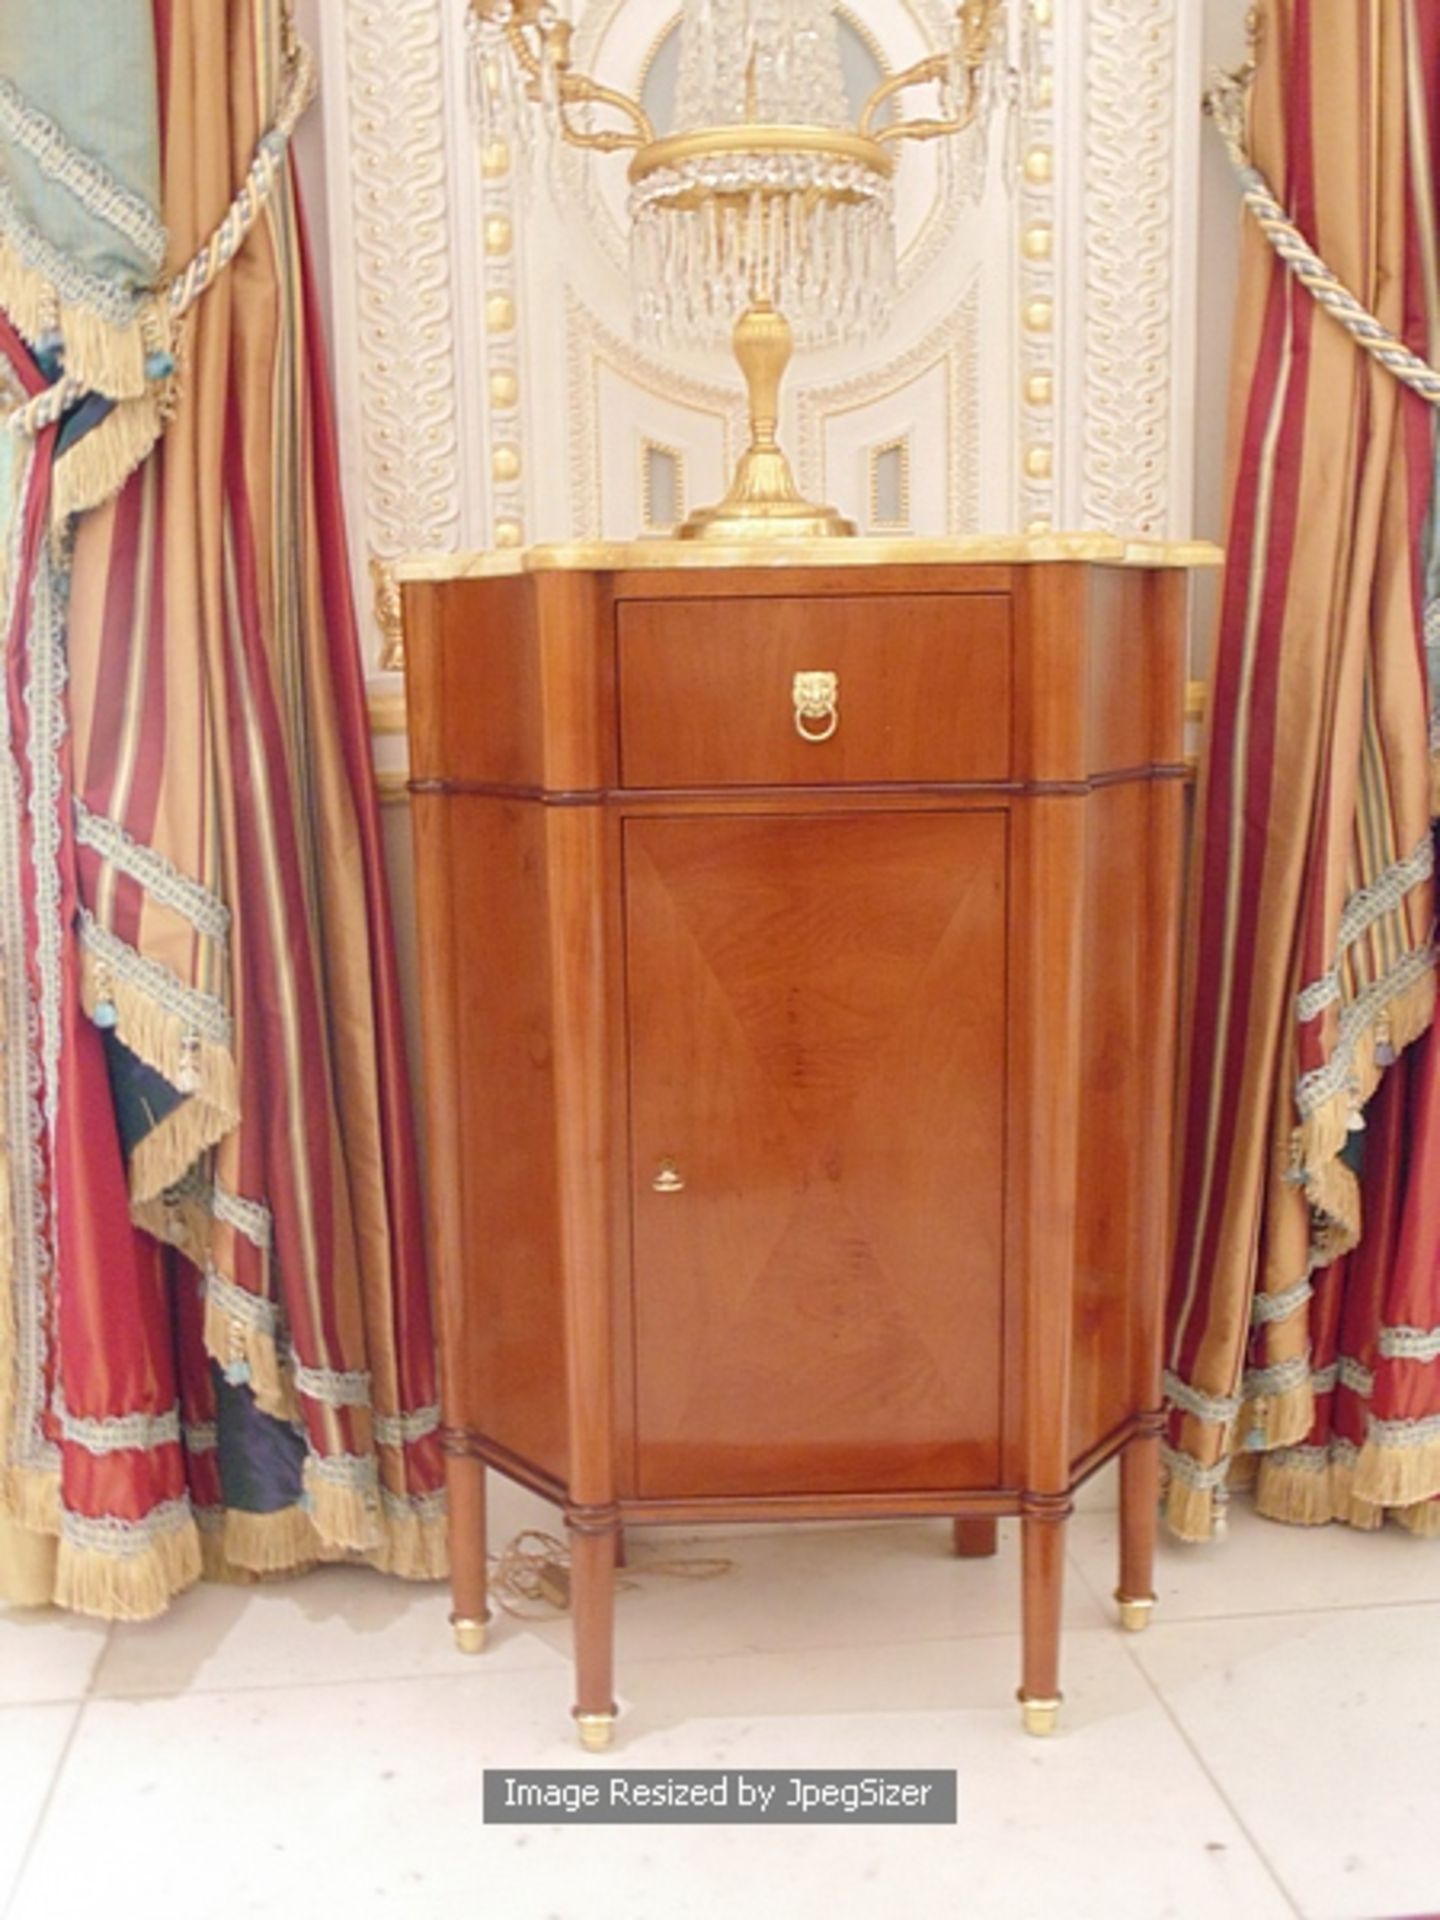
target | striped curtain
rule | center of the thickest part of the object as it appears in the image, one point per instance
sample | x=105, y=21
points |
x=215, y=1338
x=1311, y=965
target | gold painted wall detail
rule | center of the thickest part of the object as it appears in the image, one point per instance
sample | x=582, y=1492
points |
x=386, y=608
x=1035, y=344
x=662, y=486
x=890, y=486
x=504, y=409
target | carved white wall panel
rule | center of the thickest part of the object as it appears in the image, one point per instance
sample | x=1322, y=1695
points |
x=399, y=261
x=929, y=398
x=482, y=215
x=1130, y=293
x=620, y=402
x=913, y=419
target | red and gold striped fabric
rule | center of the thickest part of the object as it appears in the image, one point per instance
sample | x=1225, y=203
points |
x=227, y=1356
x=1311, y=964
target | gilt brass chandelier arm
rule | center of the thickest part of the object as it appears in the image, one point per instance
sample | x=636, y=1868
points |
x=573, y=89
x=934, y=68
x=577, y=89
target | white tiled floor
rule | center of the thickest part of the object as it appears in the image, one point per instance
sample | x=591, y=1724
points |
x=1270, y=1748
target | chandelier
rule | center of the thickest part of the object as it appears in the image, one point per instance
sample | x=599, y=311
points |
x=770, y=215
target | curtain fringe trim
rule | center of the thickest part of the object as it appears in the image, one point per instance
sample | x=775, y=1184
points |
x=127, y=1586
x=102, y=358
x=1422, y=1520
x=97, y=466
x=1396, y=1474
x=232, y=1547
x=283, y=1542
x=106, y=355
x=167, y=1043
x=31, y=1497
x=342, y=1499
x=1310, y=1486
x=413, y=1546
x=1400, y=1015
x=239, y=1334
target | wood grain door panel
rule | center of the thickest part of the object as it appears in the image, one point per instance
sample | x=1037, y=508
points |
x=817, y=1031
x=707, y=690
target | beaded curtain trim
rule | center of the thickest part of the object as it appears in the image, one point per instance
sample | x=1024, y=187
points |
x=139, y=1432
x=1314, y=1089
x=1362, y=910
x=83, y=176
x=162, y=880
x=201, y=1012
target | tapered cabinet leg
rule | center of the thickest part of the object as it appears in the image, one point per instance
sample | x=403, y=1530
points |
x=1042, y=1549
x=1139, y=1521
x=469, y=1568
x=592, y=1602
x=976, y=1539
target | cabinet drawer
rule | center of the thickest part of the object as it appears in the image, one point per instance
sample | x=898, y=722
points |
x=708, y=690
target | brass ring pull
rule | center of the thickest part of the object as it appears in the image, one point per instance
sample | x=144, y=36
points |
x=817, y=706
x=668, y=1179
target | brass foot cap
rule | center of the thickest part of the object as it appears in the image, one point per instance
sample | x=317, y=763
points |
x=1135, y=1614
x=596, y=1730
x=469, y=1634
x=1040, y=1716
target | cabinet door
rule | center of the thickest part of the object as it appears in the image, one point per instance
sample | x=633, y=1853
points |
x=817, y=1015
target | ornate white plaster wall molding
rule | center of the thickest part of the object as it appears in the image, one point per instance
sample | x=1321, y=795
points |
x=388, y=170
x=1141, y=90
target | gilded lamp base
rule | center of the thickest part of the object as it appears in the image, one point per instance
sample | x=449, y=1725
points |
x=764, y=502
x=767, y=520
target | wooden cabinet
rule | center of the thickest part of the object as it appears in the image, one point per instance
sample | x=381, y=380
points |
x=798, y=948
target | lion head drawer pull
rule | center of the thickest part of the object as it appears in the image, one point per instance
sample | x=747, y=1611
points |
x=817, y=706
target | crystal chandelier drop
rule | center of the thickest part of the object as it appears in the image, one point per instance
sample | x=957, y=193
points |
x=769, y=217
x=744, y=207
